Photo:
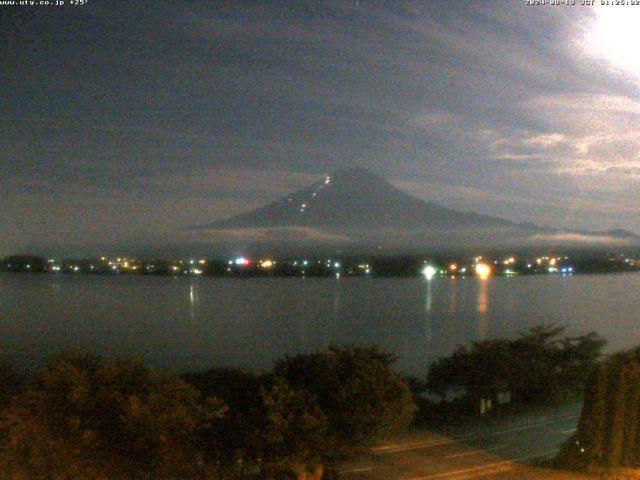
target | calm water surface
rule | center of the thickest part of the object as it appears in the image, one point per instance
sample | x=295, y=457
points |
x=194, y=323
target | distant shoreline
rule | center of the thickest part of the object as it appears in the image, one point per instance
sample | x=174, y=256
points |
x=429, y=267
x=302, y=277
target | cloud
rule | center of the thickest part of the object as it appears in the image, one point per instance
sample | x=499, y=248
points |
x=276, y=236
x=171, y=112
x=577, y=238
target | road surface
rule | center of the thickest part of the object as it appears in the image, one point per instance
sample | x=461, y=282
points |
x=500, y=448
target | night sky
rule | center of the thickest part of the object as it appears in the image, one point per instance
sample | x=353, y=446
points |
x=123, y=122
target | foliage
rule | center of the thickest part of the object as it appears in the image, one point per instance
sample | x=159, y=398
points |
x=10, y=384
x=277, y=431
x=536, y=366
x=363, y=398
x=23, y=263
x=312, y=409
x=88, y=418
x=245, y=416
x=295, y=431
x=85, y=418
x=608, y=433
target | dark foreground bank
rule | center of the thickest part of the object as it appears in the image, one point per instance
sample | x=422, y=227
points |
x=83, y=417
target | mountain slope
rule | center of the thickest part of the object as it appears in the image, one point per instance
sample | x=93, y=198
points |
x=354, y=208
x=354, y=198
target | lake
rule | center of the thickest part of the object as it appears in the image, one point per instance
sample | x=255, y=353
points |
x=195, y=323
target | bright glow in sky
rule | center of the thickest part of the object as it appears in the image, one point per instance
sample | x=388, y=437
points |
x=528, y=114
x=616, y=37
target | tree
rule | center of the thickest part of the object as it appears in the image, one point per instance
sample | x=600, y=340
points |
x=10, y=383
x=23, y=263
x=536, y=366
x=608, y=430
x=235, y=441
x=483, y=370
x=85, y=418
x=363, y=398
x=294, y=435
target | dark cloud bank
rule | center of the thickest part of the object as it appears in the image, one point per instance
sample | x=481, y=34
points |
x=122, y=124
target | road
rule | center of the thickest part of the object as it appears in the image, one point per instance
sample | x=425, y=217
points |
x=496, y=448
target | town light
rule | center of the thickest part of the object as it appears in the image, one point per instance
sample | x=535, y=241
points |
x=429, y=272
x=483, y=270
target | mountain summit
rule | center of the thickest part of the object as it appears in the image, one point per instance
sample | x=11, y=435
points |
x=354, y=198
x=356, y=208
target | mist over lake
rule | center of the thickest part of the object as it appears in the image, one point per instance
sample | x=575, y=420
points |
x=195, y=323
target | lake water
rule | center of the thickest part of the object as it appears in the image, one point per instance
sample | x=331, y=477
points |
x=194, y=323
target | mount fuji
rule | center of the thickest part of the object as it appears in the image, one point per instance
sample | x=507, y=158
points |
x=356, y=207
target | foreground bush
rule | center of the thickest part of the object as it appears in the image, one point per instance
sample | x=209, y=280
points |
x=84, y=418
x=608, y=433
x=310, y=411
x=363, y=398
x=538, y=366
x=10, y=384
x=234, y=442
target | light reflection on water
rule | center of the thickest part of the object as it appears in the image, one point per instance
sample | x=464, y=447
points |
x=428, y=339
x=198, y=322
x=483, y=306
